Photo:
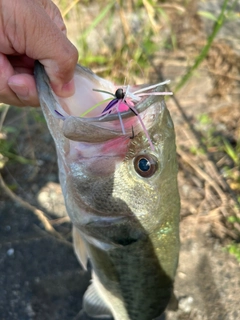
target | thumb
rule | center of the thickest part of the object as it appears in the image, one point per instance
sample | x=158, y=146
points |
x=60, y=67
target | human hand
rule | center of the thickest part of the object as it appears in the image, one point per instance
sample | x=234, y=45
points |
x=33, y=30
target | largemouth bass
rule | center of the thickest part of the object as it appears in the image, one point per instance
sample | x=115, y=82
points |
x=118, y=172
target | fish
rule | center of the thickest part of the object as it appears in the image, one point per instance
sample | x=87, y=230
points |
x=118, y=173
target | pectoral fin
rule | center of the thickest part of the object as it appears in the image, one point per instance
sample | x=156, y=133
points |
x=93, y=304
x=80, y=248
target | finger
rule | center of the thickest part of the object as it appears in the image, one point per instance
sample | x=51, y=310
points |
x=55, y=14
x=25, y=87
x=6, y=71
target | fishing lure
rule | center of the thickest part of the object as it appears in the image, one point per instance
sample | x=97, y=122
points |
x=127, y=99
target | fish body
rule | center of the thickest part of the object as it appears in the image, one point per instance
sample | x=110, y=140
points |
x=121, y=195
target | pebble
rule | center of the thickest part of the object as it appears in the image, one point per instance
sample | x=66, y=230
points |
x=10, y=252
x=185, y=304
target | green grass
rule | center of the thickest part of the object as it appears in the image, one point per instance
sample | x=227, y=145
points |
x=218, y=23
x=234, y=249
x=220, y=147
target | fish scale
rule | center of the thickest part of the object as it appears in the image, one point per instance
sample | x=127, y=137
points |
x=137, y=278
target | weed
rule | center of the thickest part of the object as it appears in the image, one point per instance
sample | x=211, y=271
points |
x=8, y=145
x=232, y=152
x=219, y=147
x=234, y=249
x=218, y=23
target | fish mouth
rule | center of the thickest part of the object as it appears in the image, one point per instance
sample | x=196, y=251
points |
x=109, y=124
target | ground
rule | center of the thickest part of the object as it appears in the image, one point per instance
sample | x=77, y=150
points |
x=40, y=277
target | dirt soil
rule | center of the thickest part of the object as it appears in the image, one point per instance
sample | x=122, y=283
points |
x=40, y=277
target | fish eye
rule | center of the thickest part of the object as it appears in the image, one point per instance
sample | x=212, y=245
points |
x=145, y=165
x=119, y=94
